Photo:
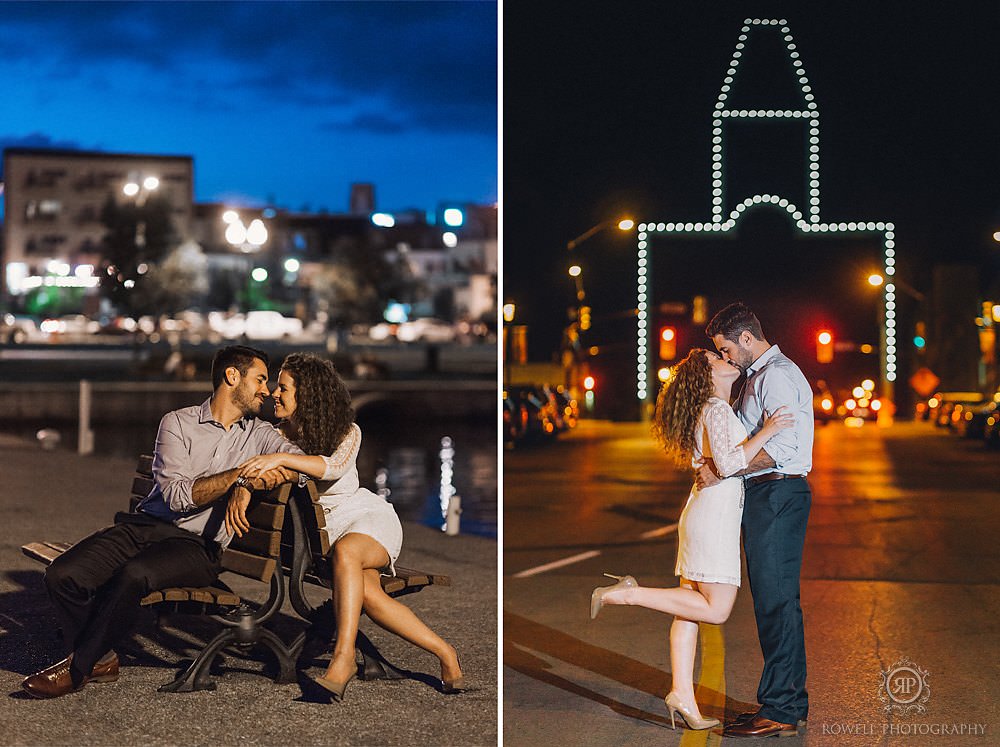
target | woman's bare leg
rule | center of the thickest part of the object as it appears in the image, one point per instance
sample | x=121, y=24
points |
x=397, y=618
x=709, y=603
x=351, y=556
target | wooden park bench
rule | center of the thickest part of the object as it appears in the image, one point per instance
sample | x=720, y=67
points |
x=259, y=555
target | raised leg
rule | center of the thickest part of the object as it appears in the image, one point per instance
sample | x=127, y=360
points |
x=709, y=603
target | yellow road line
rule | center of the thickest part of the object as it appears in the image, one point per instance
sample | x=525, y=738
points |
x=711, y=689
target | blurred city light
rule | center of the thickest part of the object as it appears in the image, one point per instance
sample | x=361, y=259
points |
x=919, y=342
x=574, y=271
x=875, y=279
x=996, y=236
x=508, y=312
x=236, y=233
x=868, y=385
x=858, y=392
x=230, y=216
x=450, y=239
x=84, y=271
x=824, y=338
x=453, y=217
x=151, y=183
x=142, y=268
x=291, y=265
x=588, y=383
x=259, y=274
x=131, y=189
x=57, y=267
x=383, y=220
x=626, y=224
x=257, y=232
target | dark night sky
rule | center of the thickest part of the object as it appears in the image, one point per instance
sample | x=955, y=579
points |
x=285, y=99
x=607, y=111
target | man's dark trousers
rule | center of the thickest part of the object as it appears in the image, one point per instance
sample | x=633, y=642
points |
x=97, y=584
x=774, y=531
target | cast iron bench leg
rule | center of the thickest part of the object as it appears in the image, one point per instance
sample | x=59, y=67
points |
x=374, y=665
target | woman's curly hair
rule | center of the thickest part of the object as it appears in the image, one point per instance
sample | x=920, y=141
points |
x=323, y=413
x=680, y=403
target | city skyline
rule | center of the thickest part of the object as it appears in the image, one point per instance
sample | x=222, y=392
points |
x=278, y=103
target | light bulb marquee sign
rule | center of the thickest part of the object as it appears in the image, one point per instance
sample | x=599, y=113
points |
x=808, y=221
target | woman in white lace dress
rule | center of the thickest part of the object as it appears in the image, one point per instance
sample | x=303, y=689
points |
x=364, y=531
x=694, y=422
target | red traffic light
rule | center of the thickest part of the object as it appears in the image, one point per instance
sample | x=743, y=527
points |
x=668, y=343
x=824, y=346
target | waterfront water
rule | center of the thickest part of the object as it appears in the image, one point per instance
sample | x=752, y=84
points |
x=404, y=454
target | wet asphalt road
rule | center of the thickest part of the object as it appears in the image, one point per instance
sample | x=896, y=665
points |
x=901, y=561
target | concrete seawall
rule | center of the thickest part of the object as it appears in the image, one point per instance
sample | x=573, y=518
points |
x=121, y=401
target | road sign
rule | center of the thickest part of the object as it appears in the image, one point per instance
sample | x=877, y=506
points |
x=924, y=382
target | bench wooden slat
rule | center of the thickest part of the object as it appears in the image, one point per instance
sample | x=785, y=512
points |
x=153, y=597
x=245, y=564
x=257, y=542
x=141, y=486
x=145, y=465
x=266, y=515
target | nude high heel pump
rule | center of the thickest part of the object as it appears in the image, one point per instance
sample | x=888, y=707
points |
x=675, y=706
x=597, y=598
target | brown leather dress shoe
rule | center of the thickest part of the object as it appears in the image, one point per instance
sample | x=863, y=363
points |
x=55, y=681
x=748, y=715
x=758, y=726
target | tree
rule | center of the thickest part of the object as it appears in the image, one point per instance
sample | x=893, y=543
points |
x=175, y=283
x=138, y=235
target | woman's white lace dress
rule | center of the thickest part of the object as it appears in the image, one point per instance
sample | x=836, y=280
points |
x=352, y=508
x=709, y=528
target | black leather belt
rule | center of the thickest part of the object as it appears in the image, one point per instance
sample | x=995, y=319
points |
x=768, y=477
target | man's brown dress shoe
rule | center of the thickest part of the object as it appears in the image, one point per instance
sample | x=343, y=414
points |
x=747, y=715
x=758, y=726
x=55, y=681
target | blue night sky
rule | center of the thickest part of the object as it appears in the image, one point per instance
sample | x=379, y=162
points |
x=290, y=102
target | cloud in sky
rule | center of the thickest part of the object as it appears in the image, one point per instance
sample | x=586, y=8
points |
x=393, y=77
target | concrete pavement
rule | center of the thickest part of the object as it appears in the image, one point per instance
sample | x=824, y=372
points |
x=901, y=562
x=60, y=496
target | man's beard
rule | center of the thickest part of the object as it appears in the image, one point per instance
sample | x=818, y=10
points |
x=247, y=404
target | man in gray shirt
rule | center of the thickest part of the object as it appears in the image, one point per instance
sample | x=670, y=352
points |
x=777, y=501
x=177, y=534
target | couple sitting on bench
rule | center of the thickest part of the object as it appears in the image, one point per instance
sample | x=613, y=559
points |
x=207, y=460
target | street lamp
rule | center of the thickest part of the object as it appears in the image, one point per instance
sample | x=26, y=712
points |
x=624, y=224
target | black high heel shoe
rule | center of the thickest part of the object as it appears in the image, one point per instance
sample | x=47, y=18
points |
x=597, y=598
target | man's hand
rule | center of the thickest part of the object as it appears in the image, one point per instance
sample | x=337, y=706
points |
x=257, y=465
x=236, y=512
x=705, y=477
x=273, y=477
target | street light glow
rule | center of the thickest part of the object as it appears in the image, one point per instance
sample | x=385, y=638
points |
x=151, y=183
x=291, y=265
x=383, y=220
x=824, y=338
x=508, y=312
x=131, y=189
x=574, y=271
x=236, y=233
x=230, y=216
x=626, y=224
x=257, y=232
x=450, y=239
x=453, y=217
x=868, y=385
x=875, y=279
x=259, y=274
x=996, y=235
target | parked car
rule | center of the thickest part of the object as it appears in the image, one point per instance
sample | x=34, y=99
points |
x=271, y=325
x=529, y=414
x=971, y=421
x=426, y=330
x=17, y=330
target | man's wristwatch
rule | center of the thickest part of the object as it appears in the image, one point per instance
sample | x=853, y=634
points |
x=242, y=482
